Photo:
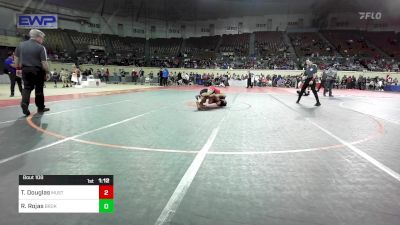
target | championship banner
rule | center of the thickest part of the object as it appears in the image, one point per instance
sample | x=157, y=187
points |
x=38, y=21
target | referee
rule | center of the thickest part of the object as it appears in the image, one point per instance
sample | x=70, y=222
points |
x=311, y=75
x=31, y=58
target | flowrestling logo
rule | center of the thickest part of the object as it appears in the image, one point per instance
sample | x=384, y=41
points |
x=370, y=15
x=42, y=21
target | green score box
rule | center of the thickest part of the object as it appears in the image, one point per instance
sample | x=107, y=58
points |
x=106, y=205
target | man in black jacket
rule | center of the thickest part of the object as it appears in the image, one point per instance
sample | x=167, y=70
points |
x=160, y=77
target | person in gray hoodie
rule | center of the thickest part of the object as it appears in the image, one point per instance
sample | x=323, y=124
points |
x=331, y=74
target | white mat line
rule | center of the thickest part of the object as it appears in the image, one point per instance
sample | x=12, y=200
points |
x=364, y=155
x=74, y=137
x=180, y=191
x=397, y=122
x=68, y=110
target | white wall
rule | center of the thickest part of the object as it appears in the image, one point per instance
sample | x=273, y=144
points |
x=192, y=28
x=249, y=24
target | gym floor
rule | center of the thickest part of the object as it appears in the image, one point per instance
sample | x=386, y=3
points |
x=262, y=159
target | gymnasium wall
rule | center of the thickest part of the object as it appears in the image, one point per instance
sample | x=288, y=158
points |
x=161, y=29
x=346, y=20
x=9, y=41
x=128, y=26
x=155, y=70
x=7, y=21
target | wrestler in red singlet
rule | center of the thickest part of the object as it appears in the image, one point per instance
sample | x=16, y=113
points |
x=215, y=90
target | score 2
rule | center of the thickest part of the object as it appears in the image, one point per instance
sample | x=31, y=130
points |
x=106, y=192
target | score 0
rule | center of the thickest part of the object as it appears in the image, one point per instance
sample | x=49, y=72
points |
x=106, y=198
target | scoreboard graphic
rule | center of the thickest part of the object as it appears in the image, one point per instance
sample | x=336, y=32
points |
x=66, y=194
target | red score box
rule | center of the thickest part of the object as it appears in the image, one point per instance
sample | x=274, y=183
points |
x=106, y=192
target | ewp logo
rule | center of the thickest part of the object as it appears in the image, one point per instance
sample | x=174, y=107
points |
x=48, y=21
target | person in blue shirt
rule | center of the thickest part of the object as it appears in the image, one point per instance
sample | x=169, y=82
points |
x=165, y=74
x=10, y=69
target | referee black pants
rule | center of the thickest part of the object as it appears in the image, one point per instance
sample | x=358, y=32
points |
x=33, y=78
x=305, y=86
x=249, y=83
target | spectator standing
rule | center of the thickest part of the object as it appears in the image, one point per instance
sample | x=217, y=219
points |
x=64, y=77
x=160, y=75
x=9, y=68
x=107, y=75
x=54, y=77
x=76, y=75
x=249, y=80
x=141, y=73
x=134, y=76
x=179, y=78
x=165, y=75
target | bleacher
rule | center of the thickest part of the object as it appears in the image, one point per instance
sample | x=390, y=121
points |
x=235, y=43
x=83, y=40
x=310, y=44
x=58, y=41
x=269, y=43
x=128, y=44
x=386, y=41
x=201, y=47
x=165, y=47
x=350, y=43
x=356, y=50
